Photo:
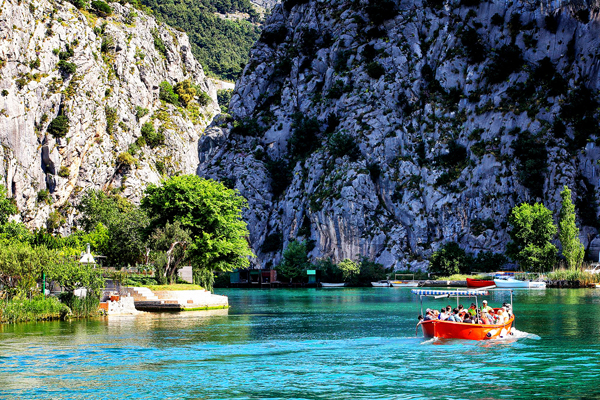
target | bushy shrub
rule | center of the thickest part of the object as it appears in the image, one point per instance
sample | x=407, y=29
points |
x=38, y=308
x=79, y=3
x=281, y=176
x=203, y=98
x=507, y=60
x=111, y=119
x=273, y=37
x=304, y=140
x=224, y=97
x=108, y=44
x=59, y=126
x=247, y=127
x=55, y=221
x=341, y=144
x=151, y=136
x=101, y=8
x=381, y=10
x=532, y=155
x=273, y=242
x=184, y=91
x=167, y=94
x=64, y=172
x=375, y=70
x=67, y=67
x=473, y=45
x=159, y=45
x=289, y=4
x=141, y=112
x=125, y=159
x=449, y=260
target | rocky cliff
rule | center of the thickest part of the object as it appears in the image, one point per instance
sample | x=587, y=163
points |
x=76, y=91
x=387, y=128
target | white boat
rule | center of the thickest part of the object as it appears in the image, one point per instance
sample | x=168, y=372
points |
x=516, y=283
x=332, y=285
x=597, y=285
x=404, y=283
x=381, y=284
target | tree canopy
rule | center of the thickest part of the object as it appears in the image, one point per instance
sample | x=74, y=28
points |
x=532, y=229
x=211, y=213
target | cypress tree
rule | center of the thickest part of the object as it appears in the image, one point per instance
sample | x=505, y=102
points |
x=572, y=248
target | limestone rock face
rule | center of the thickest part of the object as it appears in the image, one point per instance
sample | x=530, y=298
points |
x=266, y=4
x=386, y=132
x=119, y=63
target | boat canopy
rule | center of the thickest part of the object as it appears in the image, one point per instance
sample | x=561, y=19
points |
x=464, y=293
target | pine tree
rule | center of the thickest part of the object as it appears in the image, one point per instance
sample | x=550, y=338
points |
x=572, y=248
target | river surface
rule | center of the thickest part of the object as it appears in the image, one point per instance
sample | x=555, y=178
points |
x=308, y=344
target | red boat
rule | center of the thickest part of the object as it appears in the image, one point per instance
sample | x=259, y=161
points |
x=479, y=282
x=460, y=330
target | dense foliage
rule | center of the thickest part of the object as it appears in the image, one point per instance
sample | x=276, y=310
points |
x=532, y=229
x=572, y=248
x=221, y=46
x=211, y=213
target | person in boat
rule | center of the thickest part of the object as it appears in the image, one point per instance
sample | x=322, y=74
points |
x=485, y=307
x=443, y=316
x=468, y=319
x=501, y=317
x=472, y=310
x=484, y=318
x=456, y=315
x=428, y=315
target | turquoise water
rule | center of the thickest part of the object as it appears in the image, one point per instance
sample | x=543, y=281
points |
x=309, y=344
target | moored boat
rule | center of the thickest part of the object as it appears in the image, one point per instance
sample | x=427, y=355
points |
x=404, y=283
x=459, y=330
x=332, y=285
x=381, y=284
x=516, y=283
x=479, y=282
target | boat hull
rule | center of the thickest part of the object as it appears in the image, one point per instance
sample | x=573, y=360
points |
x=515, y=284
x=405, y=284
x=479, y=283
x=332, y=285
x=458, y=330
x=380, y=284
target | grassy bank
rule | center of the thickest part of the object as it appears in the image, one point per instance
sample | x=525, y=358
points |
x=562, y=274
x=35, y=309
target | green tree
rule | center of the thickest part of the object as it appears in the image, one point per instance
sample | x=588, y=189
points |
x=449, y=260
x=170, y=250
x=7, y=206
x=572, y=248
x=295, y=260
x=349, y=269
x=532, y=229
x=213, y=215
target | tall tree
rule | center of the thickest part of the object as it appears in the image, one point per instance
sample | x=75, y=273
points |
x=532, y=230
x=568, y=234
x=170, y=250
x=295, y=260
x=213, y=215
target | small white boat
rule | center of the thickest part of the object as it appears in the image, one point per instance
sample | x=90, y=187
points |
x=404, y=283
x=381, y=284
x=332, y=285
x=597, y=285
x=516, y=283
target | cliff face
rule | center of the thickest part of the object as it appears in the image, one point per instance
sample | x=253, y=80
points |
x=389, y=128
x=107, y=87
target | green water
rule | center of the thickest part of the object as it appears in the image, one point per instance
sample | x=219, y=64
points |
x=311, y=344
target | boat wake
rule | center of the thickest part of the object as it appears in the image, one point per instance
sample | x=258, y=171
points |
x=513, y=336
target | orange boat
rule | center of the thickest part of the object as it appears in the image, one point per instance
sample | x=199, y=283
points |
x=479, y=283
x=459, y=330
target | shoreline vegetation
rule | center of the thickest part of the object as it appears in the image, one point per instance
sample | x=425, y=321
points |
x=186, y=220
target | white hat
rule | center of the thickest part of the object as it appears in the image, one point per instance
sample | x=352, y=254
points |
x=485, y=301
